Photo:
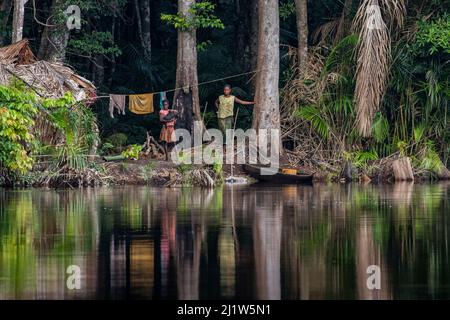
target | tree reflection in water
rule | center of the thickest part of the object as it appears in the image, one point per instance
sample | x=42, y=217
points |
x=286, y=242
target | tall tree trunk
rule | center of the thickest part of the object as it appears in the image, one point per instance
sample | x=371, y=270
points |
x=18, y=18
x=186, y=100
x=55, y=36
x=253, y=38
x=301, y=8
x=266, y=114
x=144, y=27
x=5, y=10
x=242, y=34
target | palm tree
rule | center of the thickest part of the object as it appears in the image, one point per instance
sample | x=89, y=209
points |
x=374, y=23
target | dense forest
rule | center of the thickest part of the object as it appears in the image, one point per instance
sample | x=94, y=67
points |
x=352, y=88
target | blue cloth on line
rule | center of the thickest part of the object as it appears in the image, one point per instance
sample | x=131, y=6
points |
x=162, y=97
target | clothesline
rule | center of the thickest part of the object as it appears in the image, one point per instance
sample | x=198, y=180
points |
x=107, y=95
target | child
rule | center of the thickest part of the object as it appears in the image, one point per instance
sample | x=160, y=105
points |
x=225, y=106
x=168, y=120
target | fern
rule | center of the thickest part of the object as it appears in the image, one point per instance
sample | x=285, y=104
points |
x=312, y=115
x=380, y=128
x=419, y=133
x=362, y=158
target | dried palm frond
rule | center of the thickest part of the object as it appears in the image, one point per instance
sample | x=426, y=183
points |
x=335, y=30
x=17, y=53
x=326, y=32
x=374, y=55
x=51, y=80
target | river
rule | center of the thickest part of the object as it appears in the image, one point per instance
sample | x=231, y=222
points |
x=323, y=241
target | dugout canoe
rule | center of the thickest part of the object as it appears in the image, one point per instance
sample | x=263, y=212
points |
x=266, y=174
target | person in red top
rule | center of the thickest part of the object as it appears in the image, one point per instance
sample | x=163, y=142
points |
x=168, y=118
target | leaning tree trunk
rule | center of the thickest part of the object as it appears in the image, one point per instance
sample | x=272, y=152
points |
x=144, y=27
x=301, y=8
x=55, y=36
x=5, y=10
x=18, y=18
x=186, y=99
x=266, y=114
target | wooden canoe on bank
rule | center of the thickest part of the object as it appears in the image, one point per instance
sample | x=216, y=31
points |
x=283, y=175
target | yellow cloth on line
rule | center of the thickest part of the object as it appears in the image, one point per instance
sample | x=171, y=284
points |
x=141, y=103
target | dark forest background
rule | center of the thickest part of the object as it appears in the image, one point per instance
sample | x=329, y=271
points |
x=108, y=50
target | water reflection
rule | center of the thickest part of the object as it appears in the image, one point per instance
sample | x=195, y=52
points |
x=290, y=242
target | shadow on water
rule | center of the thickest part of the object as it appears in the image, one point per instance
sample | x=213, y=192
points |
x=252, y=242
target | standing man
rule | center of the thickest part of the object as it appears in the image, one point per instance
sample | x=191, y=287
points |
x=225, y=108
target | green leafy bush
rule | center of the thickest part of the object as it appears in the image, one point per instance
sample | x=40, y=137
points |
x=132, y=152
x=77, y=125
x=20, y=107
x=17, y=111
x=201, y=15
x=106, y=148
x=434, y=36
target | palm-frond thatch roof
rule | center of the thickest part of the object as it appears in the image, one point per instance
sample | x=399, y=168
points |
x=48, y=79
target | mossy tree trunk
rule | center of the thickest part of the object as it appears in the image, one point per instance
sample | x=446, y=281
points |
x=55, y=37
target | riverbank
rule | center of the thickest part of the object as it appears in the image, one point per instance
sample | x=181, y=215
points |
x=160, y=173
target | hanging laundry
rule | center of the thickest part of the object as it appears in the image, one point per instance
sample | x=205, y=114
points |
x=162, y=97
x=141, y=103
x=116, y=102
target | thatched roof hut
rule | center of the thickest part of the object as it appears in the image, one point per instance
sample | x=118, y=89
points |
x=48, y=79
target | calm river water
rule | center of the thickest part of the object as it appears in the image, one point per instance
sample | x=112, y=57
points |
x=252, y=242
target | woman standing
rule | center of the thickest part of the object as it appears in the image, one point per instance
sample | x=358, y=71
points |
x=168, y=118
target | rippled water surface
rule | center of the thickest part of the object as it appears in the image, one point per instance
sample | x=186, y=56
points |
x=285, y=242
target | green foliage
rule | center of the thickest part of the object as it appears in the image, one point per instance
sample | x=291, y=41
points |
x=184, y=168
x=419, y=133
x=380, y=128
x=313, y=115
x=342, y=54
x=434, y=36
x=362, y=158
x=218, y=167
x=431, y=161
x=76, y=123
x=132, y=152
x=200, y=16
x=148, y=170
x=218, y=171
x=17, y=111
x=287, y=9
x=72, y=155
x=203, y=45
x=401, y=146
x=95, y=43
x=106, y=148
